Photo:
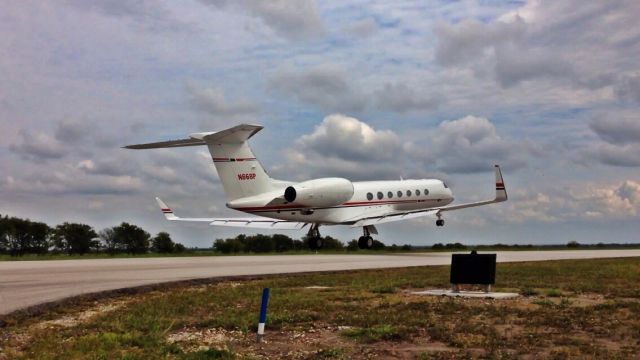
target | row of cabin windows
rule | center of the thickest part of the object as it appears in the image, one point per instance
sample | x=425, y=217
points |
x=390, y=194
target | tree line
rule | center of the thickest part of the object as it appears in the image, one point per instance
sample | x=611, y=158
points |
x=280, y=243
x=22, y=236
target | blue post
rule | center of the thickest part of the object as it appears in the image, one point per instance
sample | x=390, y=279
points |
x=263, y=313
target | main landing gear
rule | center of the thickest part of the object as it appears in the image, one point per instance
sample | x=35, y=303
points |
x=315, y=240
x=440, y=221
x=365, y=241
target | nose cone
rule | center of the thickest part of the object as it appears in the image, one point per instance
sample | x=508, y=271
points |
x=450, y=195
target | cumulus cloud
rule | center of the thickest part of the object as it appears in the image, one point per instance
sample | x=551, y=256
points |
x=60, y=183
x=362, y=28
x=472, y=144
x=625, y=155
x=628, y=88
x=148, y=13
x=401, y=98
x=214, y=101
x=107, y=165
x=325, y=86
x=351, y=139
x=569, y=42
x=70, y=131
x=346, y=146
x=619, y=140
x=583, y=201
x=619, y=128
x=37, y=147
x=294, y=20
x=466, y=41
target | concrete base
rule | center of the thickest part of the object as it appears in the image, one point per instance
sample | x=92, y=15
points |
x=467, y=294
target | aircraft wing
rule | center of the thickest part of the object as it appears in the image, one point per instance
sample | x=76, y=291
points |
x=501, y=195
x=249, y=222
x=394, y=217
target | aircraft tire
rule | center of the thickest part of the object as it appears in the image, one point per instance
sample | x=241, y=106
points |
x=362, y=242
x=316, y=243
x=368, y=242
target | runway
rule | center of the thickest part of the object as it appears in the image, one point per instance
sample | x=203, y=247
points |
x=28, y=283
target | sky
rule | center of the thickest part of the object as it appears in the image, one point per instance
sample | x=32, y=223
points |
x=367, y=90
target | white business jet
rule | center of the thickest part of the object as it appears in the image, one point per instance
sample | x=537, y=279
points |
x=326, y=201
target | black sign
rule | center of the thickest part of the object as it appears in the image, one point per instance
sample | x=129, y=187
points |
x=473, y=269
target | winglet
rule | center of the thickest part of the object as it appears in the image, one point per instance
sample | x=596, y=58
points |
x=168, y=213
x=501, y=191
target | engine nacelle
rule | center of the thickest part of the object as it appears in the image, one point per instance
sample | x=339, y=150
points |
x=320, y=192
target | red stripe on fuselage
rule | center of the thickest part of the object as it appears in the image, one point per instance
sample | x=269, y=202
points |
x=347, y=204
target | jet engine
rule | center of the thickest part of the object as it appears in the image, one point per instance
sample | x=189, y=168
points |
x=320, y=192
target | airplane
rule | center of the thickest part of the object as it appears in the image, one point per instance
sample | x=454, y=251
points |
x=287, y=205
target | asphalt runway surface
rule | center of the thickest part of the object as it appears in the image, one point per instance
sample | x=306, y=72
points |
x=28, y=283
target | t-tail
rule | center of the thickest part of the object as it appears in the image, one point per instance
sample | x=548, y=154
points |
x=240, y=172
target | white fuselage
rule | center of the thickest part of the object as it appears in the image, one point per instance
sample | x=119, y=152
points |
x=370, y=198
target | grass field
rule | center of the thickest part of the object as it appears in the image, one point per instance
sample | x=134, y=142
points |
x=569, y=309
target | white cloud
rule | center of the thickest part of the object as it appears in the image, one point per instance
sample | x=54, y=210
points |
x=362, y=28
x=38, y=147
x=619, y=140
x=214, y=101
x=472, y=144
x=326, y=86
x=294, y=20
x=401, y=98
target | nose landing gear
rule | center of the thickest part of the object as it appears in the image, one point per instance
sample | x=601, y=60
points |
x=315, y=240
x=440, y=221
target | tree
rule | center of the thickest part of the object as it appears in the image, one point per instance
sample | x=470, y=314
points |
x=378, y=245
x=4, y=231
x=179, y=248
x=282, y=243
x=133, y=238
x=331, y=243
x=74, y=238
x=108, y=237
x=352, y=245
x=162, y=243
x=573, y=244
x=25, y=236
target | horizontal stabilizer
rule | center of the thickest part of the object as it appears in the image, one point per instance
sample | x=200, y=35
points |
x=167, y=144
x=234, y=135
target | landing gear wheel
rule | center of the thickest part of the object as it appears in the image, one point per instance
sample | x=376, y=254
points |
x=368, y=242
x=440, y=222
x=315, y=240
x=365, y=242
x=361, y=242
x=316, y=243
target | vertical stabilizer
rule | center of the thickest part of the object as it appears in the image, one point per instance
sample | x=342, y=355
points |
x=240, y=172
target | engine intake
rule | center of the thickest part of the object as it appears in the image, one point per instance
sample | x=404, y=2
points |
x=320, y=192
